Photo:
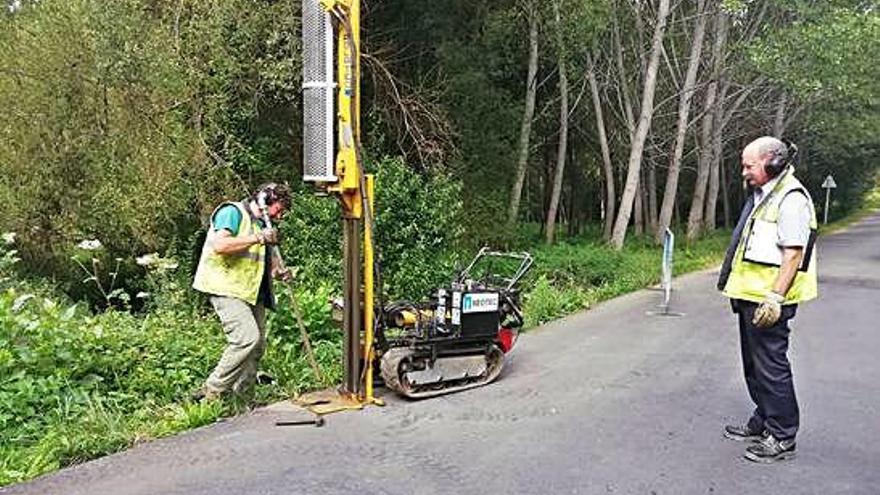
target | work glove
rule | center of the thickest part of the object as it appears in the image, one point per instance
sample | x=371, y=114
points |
x=768, y=311
x=285, y=274
x=268, y=236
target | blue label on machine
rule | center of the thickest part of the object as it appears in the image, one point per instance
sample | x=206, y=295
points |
x=480, y=302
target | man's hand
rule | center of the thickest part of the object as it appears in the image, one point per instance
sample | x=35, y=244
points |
x=769, y=310
x=285, y=274
x=268, y=236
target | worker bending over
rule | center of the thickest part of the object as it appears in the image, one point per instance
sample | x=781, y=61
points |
x=236, y=269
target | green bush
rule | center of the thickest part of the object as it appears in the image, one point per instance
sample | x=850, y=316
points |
x=286, y=357
x=547, y=301
x=576, y=274
x=584, y=263
x=127, y=120
x=75, y=385
x=419, y=228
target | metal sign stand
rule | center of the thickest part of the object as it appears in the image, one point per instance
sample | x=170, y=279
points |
x=666, y=277
x=828, y=185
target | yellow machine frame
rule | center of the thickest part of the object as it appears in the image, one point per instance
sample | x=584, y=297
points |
x=355, y=191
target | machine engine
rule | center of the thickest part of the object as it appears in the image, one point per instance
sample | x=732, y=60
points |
x=458, y=339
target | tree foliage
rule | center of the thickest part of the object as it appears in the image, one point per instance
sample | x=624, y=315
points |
x=128, y=121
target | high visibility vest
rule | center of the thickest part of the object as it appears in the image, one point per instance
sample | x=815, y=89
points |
x=757, y=259
x=235, y=275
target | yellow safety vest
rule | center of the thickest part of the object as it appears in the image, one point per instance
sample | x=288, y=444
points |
x=235, y=275
x=752, y=275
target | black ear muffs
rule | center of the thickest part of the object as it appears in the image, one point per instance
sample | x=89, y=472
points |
x=266, y=195
x=777, y=164
x=781, y=159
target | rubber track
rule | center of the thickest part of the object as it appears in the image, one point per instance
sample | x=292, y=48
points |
x=390, y=366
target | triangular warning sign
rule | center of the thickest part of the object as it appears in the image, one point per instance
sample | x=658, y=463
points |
x=829, y=183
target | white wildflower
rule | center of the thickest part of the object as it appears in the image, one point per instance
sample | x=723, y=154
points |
x=167, y=264
x=20, y=301
x=147, y=259
x=8, y=238
x=90, y=244
x=153, y=260
x=142, y=295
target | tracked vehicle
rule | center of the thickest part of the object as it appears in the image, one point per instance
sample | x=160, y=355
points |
x=457, y=340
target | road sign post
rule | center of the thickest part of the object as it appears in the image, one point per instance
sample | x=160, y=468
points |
x=666, y=275
x=828, y=185
x=668, y=247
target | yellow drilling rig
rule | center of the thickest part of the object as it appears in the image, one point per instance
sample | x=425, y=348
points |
x=456, y=340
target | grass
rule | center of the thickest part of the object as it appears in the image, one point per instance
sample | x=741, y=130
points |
x=575, y=275
x=75, y=386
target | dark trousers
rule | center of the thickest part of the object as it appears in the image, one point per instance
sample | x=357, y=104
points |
x=768, y=372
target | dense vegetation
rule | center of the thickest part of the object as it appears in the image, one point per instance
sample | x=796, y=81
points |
x=560, y=127
x=76, y=385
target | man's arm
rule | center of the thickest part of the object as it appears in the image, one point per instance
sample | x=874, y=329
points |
x=794, y=235
x=226, y=243
x=792, y=257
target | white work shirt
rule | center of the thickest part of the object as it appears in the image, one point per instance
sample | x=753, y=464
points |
x=793, y=225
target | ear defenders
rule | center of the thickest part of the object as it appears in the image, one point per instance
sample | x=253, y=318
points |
x=781, y=159
x=266, y=195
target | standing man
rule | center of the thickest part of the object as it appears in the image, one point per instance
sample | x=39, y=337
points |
x=769, y=269
x=236, y=269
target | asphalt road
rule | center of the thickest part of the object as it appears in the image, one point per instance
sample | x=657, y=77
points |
x=607, y=401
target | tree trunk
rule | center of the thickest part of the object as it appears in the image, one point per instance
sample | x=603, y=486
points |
x=717, y=119
x=651, y=210
x=684, y=107
x=725, y=193
x=623, y=87
x=607, y=168
x=639, y=209
x=563, y=132
x=705, y=161
x=526, y=125
x=638, y=144
x=717, y=162
x=779, y=119
x=545, y=194
x=709, y=220
x=574, y=186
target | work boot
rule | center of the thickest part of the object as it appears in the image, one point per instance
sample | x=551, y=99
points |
x=770, y=450
x=264, y=378
x=202, y=394
x=744, y=433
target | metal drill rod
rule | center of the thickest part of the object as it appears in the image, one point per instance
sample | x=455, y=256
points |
x=276, y=251
x=352, y=311
x=318, y=422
